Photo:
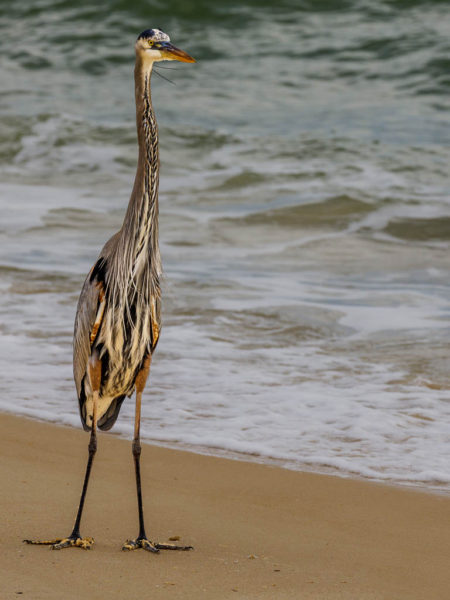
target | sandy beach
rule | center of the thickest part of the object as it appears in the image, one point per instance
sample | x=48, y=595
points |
x=258, y=531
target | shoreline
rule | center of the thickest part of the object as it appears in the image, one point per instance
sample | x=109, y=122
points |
x=279, y=463
x=258, y=531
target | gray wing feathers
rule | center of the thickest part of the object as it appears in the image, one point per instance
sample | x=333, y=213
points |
x=86, y=318
x=90, y=309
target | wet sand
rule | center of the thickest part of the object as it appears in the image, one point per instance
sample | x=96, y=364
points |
x=258, y=531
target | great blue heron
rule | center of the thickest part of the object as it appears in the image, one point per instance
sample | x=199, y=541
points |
x=118, y=319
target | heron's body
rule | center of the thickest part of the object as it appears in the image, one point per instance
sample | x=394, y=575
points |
x=119, y=307
x=119, y=311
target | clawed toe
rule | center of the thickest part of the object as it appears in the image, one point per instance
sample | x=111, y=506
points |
x=75, y=541
x=172, y=547
x=85, y=543
x=151, y=546
x=140, y=543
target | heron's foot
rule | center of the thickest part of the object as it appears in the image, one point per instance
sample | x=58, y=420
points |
x=73, y=540
x=142, y=542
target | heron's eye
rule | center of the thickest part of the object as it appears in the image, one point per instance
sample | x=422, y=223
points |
x=150, y=42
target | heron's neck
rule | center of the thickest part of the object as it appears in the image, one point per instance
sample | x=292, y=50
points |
x=147, y=129
x=141, y=222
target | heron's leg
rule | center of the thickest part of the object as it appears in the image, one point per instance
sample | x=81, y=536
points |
x=136, y=447
x=95, y=375
x=75, y=538
x=141, y=541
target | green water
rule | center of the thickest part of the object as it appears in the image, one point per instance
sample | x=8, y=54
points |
x=305, y=220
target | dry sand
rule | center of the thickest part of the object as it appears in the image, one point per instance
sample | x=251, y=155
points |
x=258, y=531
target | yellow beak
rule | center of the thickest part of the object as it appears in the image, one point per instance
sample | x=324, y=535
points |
x=171, y=52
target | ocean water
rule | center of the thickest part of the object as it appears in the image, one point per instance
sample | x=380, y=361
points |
x=304, y=226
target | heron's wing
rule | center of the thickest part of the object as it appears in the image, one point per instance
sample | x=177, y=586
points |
x=90, y=310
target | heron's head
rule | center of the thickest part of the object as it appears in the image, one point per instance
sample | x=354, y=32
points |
x=154, y=45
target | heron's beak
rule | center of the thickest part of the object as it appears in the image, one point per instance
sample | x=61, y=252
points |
x=171, y=52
